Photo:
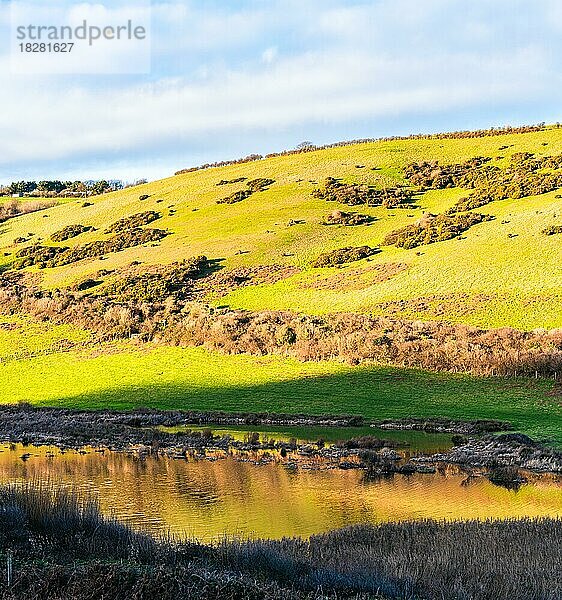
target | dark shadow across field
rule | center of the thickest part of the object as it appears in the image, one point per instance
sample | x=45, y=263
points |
x=372, y=392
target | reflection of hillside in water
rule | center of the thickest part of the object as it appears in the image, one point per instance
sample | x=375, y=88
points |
x=210, y=498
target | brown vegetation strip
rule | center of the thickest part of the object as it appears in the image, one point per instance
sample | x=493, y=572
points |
x=354, y=338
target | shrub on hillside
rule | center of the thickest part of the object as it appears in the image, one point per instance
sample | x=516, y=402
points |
x=433, y=228
x=68, y=232
x=48, y=257
x=469, y=203
x=552, y=230
x=432, y=175
x=344, y=255
x=228, y=181
x=136, y=220
x=157, y=286
x=85, y=284
x=339, y=217
x=235, y=197
x=260, y=184
x=255, y=185
x=37, y=255
x=355, y=194
x=526, y=175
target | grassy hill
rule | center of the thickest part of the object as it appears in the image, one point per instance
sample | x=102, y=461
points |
x=509, y=263
x=499, y=273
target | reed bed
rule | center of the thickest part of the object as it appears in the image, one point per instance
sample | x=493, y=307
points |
x=55, y=544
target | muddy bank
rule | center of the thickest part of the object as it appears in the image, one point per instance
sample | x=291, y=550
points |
x=442, y=425
x=496, y=452
x=139, y=432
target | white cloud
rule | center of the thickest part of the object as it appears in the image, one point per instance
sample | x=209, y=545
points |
x=363, y=62
x=269, y=55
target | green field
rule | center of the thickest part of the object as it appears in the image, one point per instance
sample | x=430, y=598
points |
x=501, y=273
x=124, y=377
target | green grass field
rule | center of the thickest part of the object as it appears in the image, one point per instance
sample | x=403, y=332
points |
x=125, y=376
x=503, y=273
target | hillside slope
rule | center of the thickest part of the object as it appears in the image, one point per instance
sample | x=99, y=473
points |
x=501, y=272
x=91, y=320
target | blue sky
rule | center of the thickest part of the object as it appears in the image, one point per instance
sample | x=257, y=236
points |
x=235, y=77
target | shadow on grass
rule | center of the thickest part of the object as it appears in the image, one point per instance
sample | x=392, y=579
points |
x=371, y=392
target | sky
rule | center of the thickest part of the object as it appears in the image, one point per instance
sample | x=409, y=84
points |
x=230, y=78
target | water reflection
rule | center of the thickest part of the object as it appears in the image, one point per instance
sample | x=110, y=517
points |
x=411, y=442
x=207, y=499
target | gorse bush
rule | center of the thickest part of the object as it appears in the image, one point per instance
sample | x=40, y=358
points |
x=526, y=175
x=129, y=233
x=229, y=181
x=355, y=194
x=432, y=175
x=38, y=255
x=173, y=280
x=134, y=221
x=253, y=186
x=68, y=232
x=48, y=257
x=344, y=255
x=260, y=184
x=552, y=230
x=433, y=228
x=236, y=197
x=469, y=203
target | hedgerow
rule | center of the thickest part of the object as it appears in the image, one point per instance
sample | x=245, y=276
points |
x=453, y=135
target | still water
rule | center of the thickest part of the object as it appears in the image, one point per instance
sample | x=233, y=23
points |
x=409, y=442
x=207, y=499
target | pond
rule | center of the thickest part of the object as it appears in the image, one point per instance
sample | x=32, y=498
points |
x=209, y=498
x=410, y=442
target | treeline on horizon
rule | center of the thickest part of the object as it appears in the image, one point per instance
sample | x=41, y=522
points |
x=309, y=147
x=56, y=187
x=78, y=188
